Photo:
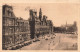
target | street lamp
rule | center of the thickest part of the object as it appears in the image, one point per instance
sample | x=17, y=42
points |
x=59, y=38
x=49, y=47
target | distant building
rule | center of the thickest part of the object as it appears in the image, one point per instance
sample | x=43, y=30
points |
x=68, y=28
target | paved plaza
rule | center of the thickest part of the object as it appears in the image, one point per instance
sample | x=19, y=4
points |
x=60, y=42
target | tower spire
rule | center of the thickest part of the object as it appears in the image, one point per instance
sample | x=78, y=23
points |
x=40, y=14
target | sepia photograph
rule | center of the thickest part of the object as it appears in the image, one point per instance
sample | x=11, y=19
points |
x=40, y=26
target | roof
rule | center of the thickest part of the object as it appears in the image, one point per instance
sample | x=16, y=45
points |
x=7, y=6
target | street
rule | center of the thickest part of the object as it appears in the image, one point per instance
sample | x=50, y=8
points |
x=60, y=42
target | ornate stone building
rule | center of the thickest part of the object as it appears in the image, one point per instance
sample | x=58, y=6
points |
x=39, y=25
x=16, y=31
x=8, y=27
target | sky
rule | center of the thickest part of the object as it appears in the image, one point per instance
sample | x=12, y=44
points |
x=59, y=13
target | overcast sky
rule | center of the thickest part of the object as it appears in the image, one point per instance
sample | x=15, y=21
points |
x=59, y=13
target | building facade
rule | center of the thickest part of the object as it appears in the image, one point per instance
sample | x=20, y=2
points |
x=8, y=26
x=39, y=25
x=16, y=31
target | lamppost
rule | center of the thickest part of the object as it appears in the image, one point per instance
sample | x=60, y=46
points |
x=49, y=47
x=59, y=39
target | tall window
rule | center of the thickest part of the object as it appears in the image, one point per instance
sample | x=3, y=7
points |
x=9, y=13
x=10, y=22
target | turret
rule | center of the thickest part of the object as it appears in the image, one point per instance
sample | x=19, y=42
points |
x=33, y=14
